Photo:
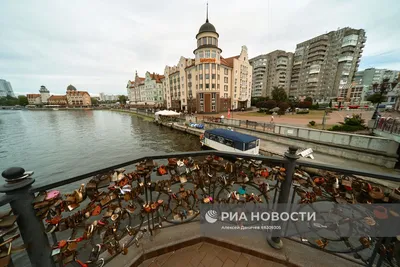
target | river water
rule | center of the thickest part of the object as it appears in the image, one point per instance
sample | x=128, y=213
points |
x=62, y=144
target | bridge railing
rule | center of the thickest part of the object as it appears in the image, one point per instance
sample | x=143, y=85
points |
x=389, y=125
x=91, y=218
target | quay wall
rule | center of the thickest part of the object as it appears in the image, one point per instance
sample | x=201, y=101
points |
x=368, y=149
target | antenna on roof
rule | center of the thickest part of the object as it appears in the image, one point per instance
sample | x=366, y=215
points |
x=207, y=13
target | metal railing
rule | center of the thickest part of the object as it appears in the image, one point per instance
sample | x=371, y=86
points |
x=114, y=208
x=389, y=125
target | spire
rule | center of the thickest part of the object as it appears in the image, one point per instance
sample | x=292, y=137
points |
x=207, y=13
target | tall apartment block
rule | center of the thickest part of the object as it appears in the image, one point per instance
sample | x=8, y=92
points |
x=271, y=70
x=324, y=66
x=6, y=89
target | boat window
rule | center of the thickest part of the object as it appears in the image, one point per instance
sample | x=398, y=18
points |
x=238, y=145
x=213, y=137
x=207, y=135
x=221, y=139
x=251, y=145
x=258, y=142
x=228, y=142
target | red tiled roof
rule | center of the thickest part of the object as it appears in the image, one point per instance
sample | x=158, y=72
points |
x=77, y=93
x=58, y=97
x=228, y=61
x=32, y=95
x=156, y=77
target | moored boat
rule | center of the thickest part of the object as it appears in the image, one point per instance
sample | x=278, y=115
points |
x=230, y=141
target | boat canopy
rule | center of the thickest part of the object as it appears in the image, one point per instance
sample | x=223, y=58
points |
x=167, y=113
x=234, y=136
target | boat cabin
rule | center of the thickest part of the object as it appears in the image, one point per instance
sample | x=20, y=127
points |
x=228, y=140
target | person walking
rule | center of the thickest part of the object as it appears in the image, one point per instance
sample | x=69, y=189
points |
x=272, y=118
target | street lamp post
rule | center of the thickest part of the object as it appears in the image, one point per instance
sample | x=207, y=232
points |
x=382, y=89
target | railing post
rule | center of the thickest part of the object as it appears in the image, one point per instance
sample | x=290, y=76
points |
x=286, y=187
x=17, y=187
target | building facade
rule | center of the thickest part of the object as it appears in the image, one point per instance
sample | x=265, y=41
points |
x=270, y=71
x=151, y=90
x=103, y=97
x=6, y=89
x=324, y=66
x=60, y=100
x=39, y=99
x=208, y=83
x=77, y=98
x=362, y=85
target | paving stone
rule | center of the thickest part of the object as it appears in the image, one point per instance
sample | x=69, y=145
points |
x=197, y=258
x=242, y=261
x=208, y=259
x=229, y=263
x=271, y=264
x=216, y=262
x=176, y=260
x=253, y=261
x=163, y=258
x=225, y=253
x=146, y=263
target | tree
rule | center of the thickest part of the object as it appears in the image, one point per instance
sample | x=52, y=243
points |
x=122, y=99
x=95, y=101
x=8, y=101
x=23, y=100
x=330, y=104
x=283, y=106
x=305, y=104
x=270, y=104
x=278, y=94
x=308, y=99
x=376, y=98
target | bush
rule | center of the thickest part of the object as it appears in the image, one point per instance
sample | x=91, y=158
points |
x=346, y=128
x=312, y=123
x=302, y=112
x=356, y=120
x=315, y=107
x=305, y=104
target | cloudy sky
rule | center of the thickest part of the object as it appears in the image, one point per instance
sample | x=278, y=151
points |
x=98, y=45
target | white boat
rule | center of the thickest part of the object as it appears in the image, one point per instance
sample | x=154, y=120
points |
x=230, y=141
x=55, y=109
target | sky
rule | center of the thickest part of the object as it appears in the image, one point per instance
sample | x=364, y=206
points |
x=98, y=45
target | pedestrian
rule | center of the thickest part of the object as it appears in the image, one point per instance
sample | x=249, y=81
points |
x=272, y=118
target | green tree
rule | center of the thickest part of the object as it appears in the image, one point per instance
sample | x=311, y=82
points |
x=279, y=95
x=376, y=98
x=23, y=100
x=95, y=101
x=122, y=99
x=8, y=101
x=308, y=99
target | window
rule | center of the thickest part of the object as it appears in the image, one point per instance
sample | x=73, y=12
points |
x=201, y=54
x=201, y=95
x=213, y=107
x=207, y=86
x=201, y=108
x=213, y=95
x=226, y=71
x=207, y=66
x=219, y=77
x=207, y=76
x=218, y=67
x=250, y=145
x=198, y=42
x=207, y=53
x=217, y=86
x=226, y=80
x=201, y=86
x=226, y=95
x=213, y=66
x=213, y=54
x=213, y=76
x=213, y=86
x=201, y=76
x=203, y=41
x=225, y=87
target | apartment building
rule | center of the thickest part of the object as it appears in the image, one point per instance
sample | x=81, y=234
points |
x=271, y=70
x=363, y=81
x=324, y=66
x=6, y=89
x=209, y=82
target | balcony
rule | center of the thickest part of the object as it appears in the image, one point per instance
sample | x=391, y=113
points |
x=312, y=80
x=345, y=58
x=151, y=211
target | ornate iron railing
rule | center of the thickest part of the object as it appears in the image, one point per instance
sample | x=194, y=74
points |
x=114, y=208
